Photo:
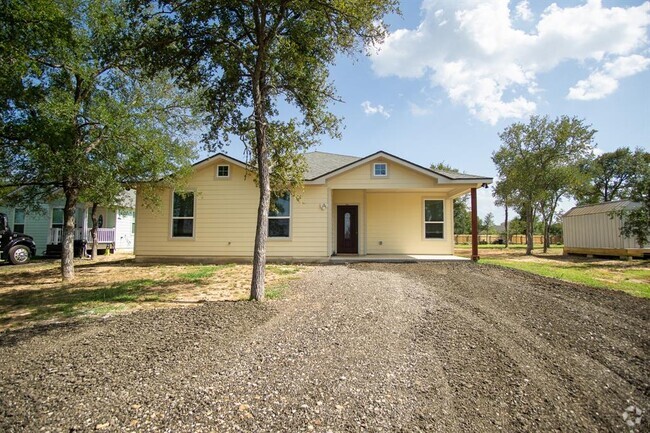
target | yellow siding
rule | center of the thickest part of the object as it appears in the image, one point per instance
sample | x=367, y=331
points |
x=225, y=221
x=397, y=221
x=398, y=177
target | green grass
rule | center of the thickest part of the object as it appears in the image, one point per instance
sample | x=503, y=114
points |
x=276, y=291
x=283, y=269
x=201, y=272
x=65, y=302
x=502, y=247
x=633, y=281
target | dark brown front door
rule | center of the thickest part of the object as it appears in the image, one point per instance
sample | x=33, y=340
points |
x=347, y=230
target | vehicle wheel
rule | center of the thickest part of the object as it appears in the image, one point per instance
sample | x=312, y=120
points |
x=19, y=255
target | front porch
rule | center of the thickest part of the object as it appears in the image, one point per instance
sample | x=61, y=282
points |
x=105, y=236
x=396, y=258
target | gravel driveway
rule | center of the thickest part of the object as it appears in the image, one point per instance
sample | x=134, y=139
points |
x=440, y=347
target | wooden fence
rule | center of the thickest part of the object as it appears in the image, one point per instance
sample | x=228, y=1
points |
x=514, y=239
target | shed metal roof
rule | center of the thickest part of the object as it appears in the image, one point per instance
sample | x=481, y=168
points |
x=610, y=206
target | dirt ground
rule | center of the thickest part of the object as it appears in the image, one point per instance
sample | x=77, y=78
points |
x=112, y=284
x=436, y=347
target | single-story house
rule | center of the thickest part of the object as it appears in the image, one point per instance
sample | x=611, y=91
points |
x=377, y=204
x=116, y=224
x=596, y=230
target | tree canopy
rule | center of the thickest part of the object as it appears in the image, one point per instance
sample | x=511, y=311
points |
x=540, y=163
x=255, y=59
x=77, y=116
x=612, y=175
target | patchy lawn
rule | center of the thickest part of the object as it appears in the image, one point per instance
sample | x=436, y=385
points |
x=632, y=277
x=34, y=292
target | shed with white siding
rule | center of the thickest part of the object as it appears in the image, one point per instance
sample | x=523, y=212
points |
x=595, y=230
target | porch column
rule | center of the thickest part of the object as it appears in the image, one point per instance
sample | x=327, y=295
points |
x=85, y=224
x=475, y=255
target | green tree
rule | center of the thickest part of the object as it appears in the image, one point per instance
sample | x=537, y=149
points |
x=636, y=222
x=77, y=117
x=462, y=216
x=611, y=176
x=503, y=195
x=487, y=224
x=541, y=160
x=254, y=58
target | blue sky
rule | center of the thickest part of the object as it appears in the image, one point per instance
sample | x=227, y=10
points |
x=452, y=74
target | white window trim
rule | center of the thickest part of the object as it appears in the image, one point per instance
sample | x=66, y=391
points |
x=216, y=172
x=172, y=218
x=424, y=221
x=290, y=218
x=52, y=216
x=374, y=170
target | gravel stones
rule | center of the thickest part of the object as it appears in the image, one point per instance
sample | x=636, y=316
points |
x=448, y=347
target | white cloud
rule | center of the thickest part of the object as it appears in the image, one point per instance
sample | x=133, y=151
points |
x=486, y=64
x=605, y=81
x=523, y=11
x=418, y=110
x=370, y=109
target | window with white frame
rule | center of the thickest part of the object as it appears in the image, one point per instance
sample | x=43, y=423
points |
x=57, y=218
x=280, y=216
x=19, y=221
x=223, y=171
x=183, y=215
x=380, y=169
x=434, y=219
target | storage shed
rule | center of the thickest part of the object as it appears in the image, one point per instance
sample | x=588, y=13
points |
x=591, y=230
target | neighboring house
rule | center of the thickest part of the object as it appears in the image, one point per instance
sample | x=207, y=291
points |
x=592, y=230
x=379, y=204
x=116, y=225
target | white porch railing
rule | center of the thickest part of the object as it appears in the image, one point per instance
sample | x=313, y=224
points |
x=104, y=236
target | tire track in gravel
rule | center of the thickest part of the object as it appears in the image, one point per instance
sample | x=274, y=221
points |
x=567, y=384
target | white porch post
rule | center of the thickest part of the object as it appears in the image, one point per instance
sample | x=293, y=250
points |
x=84, y=235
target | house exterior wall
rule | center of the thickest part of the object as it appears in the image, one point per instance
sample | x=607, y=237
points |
x=225, y=221
x=124, y=235
x=395, y=224
x=398, y=177
x=595, y=231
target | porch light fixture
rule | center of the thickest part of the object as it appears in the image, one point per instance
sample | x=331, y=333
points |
x=323, y=206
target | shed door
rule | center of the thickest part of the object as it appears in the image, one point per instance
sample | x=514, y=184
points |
x=347, y=230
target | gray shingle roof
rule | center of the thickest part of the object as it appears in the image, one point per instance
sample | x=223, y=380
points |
x=320, y=163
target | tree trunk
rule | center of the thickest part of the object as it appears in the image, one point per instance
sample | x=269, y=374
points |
x=259, y=255
x=506, y=224
x=530, y=226
x=67, y=246
x=93, y=232
x=546, y=232
x=263, y=169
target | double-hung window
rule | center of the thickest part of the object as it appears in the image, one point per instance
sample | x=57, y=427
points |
x=434, y=219
x=280, y=216
x=19, y=221
x=183, y=215
x=57, y=218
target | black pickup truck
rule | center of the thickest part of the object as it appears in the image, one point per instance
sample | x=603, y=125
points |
x=17, y=248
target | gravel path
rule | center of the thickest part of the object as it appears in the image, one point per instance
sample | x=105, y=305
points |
x=439, y=347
